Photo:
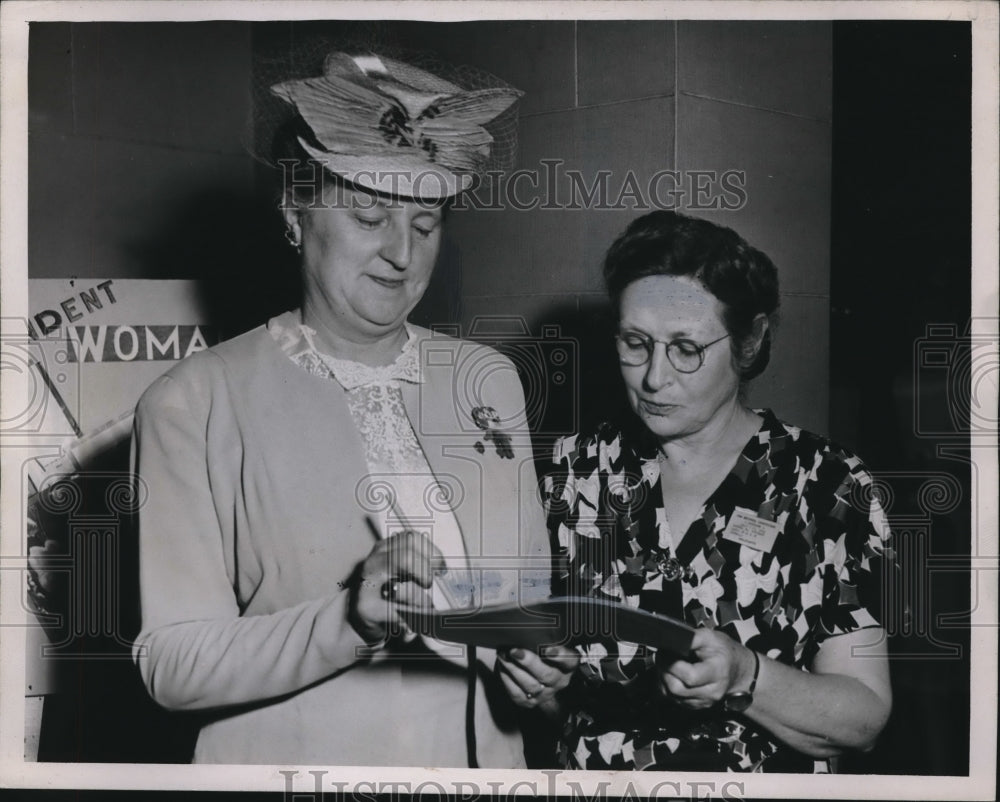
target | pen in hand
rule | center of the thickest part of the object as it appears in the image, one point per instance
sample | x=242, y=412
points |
x=443, y=595
x=397, y=590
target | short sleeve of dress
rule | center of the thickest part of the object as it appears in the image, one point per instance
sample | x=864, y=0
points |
x=852, y=546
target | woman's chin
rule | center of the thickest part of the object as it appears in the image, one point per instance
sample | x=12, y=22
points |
x=395, y=307
x=386, y=325
x=661, y=426
x=382, y=319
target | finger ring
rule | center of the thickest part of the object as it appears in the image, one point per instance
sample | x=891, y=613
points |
x=529, y=694
x=389, y=590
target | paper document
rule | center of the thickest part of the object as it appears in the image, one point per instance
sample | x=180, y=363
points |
x=559, y=620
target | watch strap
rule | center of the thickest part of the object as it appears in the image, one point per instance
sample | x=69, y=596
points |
x=738, y=701
x=756, y=671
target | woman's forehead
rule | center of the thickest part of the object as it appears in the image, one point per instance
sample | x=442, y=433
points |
x=359, y=199
x=342, y=200
x=674, y=294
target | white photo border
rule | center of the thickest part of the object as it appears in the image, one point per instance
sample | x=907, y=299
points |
x=15, y=772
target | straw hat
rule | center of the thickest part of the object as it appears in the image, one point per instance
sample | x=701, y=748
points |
x=394, y=128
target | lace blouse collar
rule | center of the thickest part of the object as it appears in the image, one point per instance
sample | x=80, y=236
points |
x=298, y=342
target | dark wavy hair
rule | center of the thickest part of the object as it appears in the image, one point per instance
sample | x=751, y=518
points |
x=665, y=243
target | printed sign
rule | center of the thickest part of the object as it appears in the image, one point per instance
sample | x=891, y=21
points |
x=98, y=344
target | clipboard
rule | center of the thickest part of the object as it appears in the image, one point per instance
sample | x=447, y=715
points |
x=566, y=620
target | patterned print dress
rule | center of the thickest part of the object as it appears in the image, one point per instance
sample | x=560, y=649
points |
x=815, y=573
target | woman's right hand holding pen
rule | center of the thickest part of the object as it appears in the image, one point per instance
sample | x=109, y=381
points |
x=398, y=571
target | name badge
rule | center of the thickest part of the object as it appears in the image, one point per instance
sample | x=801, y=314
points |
x=747, y=529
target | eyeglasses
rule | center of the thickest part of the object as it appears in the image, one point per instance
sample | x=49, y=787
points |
x=686, y=356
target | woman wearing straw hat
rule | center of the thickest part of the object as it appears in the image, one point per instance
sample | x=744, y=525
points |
x=307, y=479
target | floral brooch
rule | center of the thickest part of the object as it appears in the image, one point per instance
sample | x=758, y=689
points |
x=487, y=419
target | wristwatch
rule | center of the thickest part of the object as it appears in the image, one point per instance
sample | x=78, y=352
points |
x=738, y=701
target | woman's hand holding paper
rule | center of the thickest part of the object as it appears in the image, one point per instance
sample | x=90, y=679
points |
x=535, y=681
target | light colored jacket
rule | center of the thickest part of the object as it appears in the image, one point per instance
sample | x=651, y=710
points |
x=252, y=521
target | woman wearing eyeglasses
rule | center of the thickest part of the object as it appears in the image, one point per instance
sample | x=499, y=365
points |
x=765, y=537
